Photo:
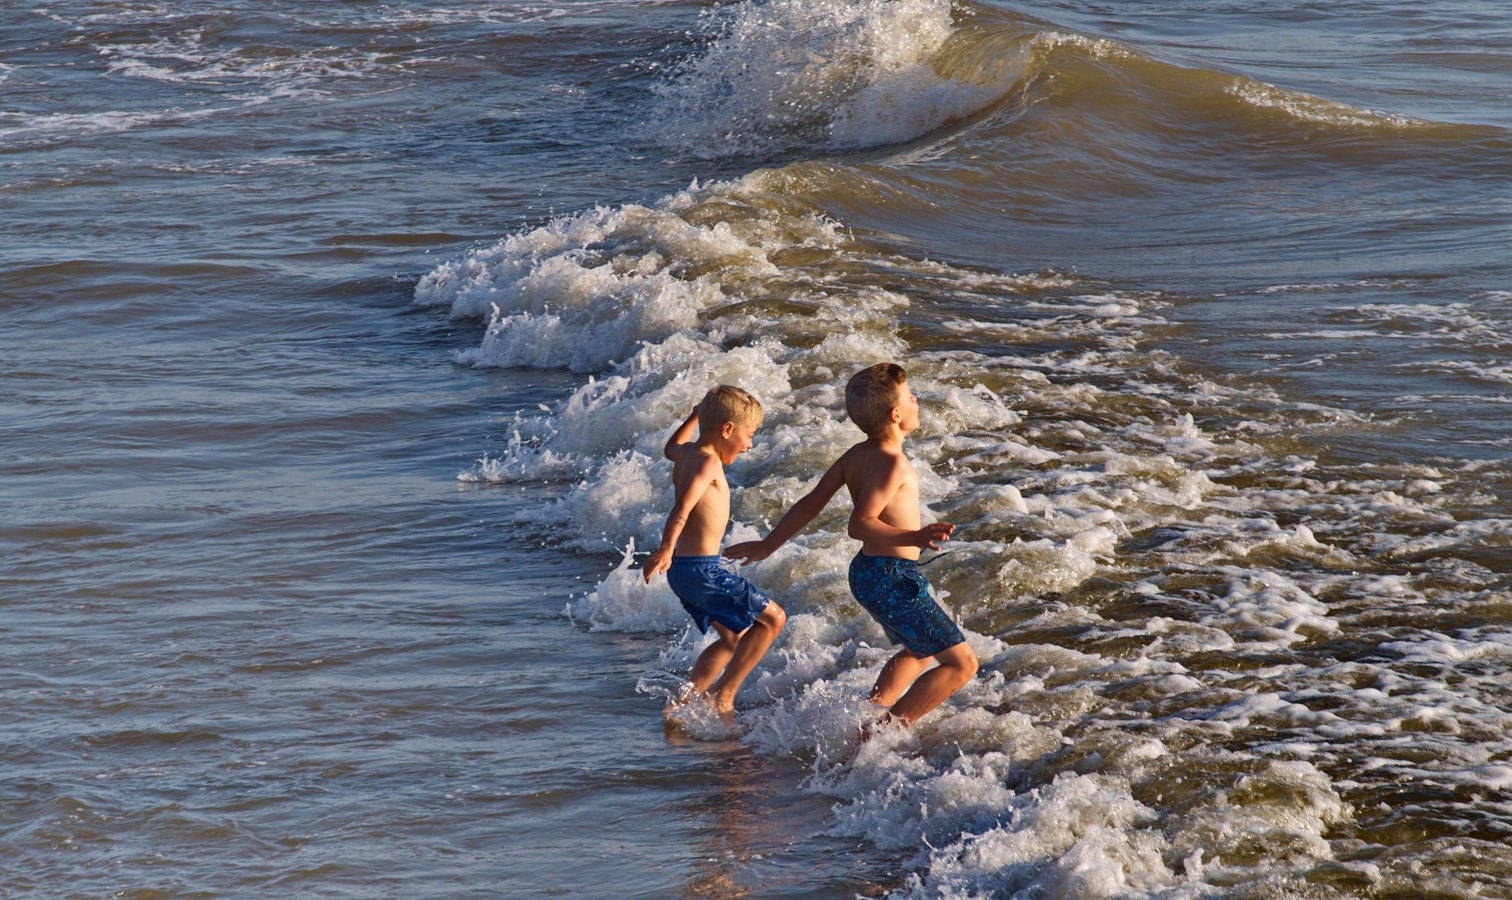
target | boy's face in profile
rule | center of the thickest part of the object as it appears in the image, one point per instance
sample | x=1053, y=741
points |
x=907, y=406
x=734, y=439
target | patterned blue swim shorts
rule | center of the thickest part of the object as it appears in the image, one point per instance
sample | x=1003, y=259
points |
x=712, y=593
x=897, y=596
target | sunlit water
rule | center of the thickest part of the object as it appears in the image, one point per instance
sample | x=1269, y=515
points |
x=341, y=341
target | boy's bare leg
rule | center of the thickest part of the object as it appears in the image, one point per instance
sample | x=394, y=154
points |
x=897, y=676
x=957, y=665
x=713, y=659
x=752, y=643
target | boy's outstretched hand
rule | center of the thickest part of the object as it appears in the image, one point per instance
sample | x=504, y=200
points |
x=747, y=552
x=934, y=534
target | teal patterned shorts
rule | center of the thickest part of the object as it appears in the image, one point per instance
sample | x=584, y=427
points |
x=897, y=596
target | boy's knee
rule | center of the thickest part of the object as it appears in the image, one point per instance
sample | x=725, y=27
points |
x=774, y=615
x=962, y=658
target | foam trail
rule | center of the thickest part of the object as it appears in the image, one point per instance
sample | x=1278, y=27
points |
x=1165, y=593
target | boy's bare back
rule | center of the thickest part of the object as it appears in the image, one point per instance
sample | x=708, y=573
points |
x=883, y=488
x=884, y=491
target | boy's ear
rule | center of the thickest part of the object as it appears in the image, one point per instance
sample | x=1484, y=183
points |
x=727, y=429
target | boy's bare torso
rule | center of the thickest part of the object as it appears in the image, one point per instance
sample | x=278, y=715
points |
x=865, y=462
x=708, y=519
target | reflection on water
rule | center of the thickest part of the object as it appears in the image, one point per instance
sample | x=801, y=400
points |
x=755, y=833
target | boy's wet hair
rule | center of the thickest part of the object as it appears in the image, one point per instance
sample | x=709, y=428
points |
x=871, y=395
x=727, y=403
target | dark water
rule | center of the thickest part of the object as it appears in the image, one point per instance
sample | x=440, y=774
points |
x=312, y=588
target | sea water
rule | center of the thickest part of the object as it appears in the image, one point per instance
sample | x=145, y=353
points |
x=341, y=342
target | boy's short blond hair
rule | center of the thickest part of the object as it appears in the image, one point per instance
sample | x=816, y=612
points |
x=727, y=403
x=872, y=394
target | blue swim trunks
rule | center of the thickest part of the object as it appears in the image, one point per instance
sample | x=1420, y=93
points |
x=712, y=593
x=897, y=596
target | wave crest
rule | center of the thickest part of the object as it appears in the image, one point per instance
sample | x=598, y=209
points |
x=826, y=74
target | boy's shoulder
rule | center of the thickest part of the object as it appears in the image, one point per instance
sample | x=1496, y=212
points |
x=868, y=454
x=699, y=457
x=872, y=448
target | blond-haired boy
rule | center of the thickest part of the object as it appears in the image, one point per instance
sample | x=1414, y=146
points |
x=745, y=619
x=884, y=575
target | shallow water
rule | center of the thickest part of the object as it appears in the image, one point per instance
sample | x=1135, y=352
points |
x=340, y=344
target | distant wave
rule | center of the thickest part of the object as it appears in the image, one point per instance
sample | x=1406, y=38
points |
x=831, y=75
x=828, y=74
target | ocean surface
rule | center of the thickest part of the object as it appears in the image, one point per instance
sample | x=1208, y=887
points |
x=340, y=341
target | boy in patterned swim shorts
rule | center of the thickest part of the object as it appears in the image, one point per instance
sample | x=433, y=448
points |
x=884, y=576
x=745, y=620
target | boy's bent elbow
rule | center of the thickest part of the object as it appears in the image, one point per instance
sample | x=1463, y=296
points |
x=866, y=531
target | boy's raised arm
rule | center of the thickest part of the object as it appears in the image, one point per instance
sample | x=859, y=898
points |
x=688, y=491
x=882, y=482
x=792, y=522
x=682, y=435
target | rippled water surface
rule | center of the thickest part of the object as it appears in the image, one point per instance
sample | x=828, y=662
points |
x=340, y=342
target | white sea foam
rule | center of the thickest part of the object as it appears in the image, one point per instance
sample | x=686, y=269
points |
x=20, y=127
x=623, y=601
x=189, y=56
x=1479, y=370
x=1308, y=107
x=822, y=73
x=583, y=291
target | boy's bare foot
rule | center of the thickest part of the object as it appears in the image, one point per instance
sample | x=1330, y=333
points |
x=885, y=721
x=701, y=720
x=684, y=696
x=723, y=709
